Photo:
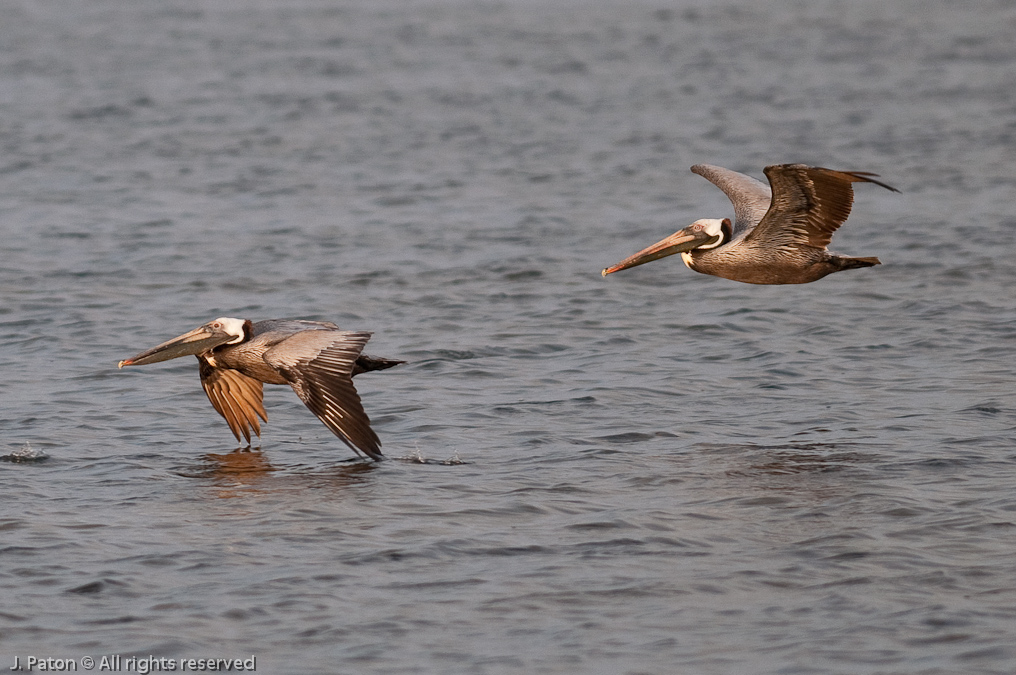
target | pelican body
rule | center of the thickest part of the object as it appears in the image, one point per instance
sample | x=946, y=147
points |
x=315, y=358
x=780, y=231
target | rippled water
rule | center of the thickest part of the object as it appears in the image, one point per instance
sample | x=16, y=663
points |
x=658, y=472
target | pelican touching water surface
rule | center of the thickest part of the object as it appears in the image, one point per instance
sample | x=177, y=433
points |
x=315, y=358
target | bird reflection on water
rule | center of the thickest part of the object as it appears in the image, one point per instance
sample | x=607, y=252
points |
x=248, y=470
x=799, y=472
x=783, y=460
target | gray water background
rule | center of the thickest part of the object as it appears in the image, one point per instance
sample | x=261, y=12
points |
x=657, y=472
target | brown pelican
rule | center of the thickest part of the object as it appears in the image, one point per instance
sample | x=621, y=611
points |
x=315, y=358
x=780, y=233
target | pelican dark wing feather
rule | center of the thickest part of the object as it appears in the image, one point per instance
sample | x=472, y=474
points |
x=809, y=204
x=319, y=365
x=238, y=398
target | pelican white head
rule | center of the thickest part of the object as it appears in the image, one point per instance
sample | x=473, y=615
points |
x=230, y=326
x=711, y=227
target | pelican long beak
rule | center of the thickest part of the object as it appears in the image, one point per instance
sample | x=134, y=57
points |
x=197, y=341
x=682, y=240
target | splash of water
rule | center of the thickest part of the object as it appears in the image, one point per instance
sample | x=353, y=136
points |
x=26, y=453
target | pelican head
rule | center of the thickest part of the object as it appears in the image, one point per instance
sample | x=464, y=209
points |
x=703, y=234
x=221, y=331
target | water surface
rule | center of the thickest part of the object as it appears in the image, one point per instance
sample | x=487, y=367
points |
x=657, y=472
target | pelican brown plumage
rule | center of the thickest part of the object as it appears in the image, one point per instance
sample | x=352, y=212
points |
x=315, y=358
x=780, y=231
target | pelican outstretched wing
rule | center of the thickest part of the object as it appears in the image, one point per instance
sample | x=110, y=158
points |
x=236, y=397
x=318, y=364
x=749, y=196
x=809, y=203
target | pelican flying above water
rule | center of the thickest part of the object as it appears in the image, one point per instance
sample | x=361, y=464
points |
x=315, y=358
x=780, y=231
